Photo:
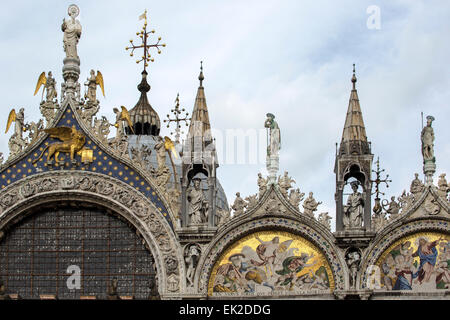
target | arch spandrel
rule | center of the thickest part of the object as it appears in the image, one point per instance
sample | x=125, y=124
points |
x=104, y=161
x=271, y=262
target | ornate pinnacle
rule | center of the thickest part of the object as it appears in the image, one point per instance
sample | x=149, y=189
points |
x=377, y=208
x=143, y=34
x=177, y=119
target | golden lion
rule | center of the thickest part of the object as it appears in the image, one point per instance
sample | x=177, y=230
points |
x=72, y=142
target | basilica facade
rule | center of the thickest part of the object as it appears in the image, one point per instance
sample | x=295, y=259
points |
x=96, y=210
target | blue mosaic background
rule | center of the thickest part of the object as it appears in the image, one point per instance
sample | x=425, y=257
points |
x=103, y=163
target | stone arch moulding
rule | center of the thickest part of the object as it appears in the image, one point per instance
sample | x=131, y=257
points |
x=92, y=188
x=387, y=238
x=227, y=237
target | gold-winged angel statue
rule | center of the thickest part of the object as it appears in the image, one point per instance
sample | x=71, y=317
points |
x=92, y=83
x=72, y=142
x=19, y=122
x=121, y=116
x=49, y=84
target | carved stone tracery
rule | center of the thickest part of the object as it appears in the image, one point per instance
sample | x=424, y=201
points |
x=104, y=191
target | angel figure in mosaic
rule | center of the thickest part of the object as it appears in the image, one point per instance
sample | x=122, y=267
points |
x=291, y=266
x=267, y=252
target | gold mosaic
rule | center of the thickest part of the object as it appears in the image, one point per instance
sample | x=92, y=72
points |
x=418, y=262
x=270, y=261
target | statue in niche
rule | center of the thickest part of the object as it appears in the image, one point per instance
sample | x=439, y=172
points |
x=310, y=205
x=191, y=258
x=353, y=211
x=72, y=32
x=427, y=137
x=353, y=259
x=198, y=205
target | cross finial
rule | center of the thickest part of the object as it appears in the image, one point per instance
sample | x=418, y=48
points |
x=378, y=181
x=354, y=78
x=177, y=119
x=143, y=34
x=201, y=77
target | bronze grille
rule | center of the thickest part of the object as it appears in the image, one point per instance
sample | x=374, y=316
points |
x=35, y=255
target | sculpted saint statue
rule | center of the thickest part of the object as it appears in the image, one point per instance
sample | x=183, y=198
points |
x=198, y=205
x=72, y=32
x=239, y=205
x=285, y=183
x=416, y=185
x=161, y=153
x=353, y=212
x=275, y=137
x=262, y=184
x=92, y=87
x=50, y=87
x=310, y=205
x=428, y=140
x=394, y=208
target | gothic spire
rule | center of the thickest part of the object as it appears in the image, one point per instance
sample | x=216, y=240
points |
x=354, y=133
x=200, y=125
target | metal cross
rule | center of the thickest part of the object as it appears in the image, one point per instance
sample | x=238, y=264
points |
x=143, y=34
x=177, y=119
x=378, y=181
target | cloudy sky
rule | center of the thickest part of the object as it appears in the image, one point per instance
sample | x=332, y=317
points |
x=291, y=58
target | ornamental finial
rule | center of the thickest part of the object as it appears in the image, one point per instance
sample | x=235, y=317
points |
x=144, y=34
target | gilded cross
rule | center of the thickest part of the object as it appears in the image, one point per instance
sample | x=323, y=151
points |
x=144, y=34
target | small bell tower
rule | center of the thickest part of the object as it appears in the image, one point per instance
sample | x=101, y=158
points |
x=199, y=159
x=353, y=167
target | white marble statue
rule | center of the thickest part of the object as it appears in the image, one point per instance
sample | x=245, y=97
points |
x=310, y=205
x=191, y=259
x=262, y=184
x=285, y=183
x=160, y=153
x=72, y=32
x=275, y=137
x=239, y=205
x=428, y=140
x=353, y=212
